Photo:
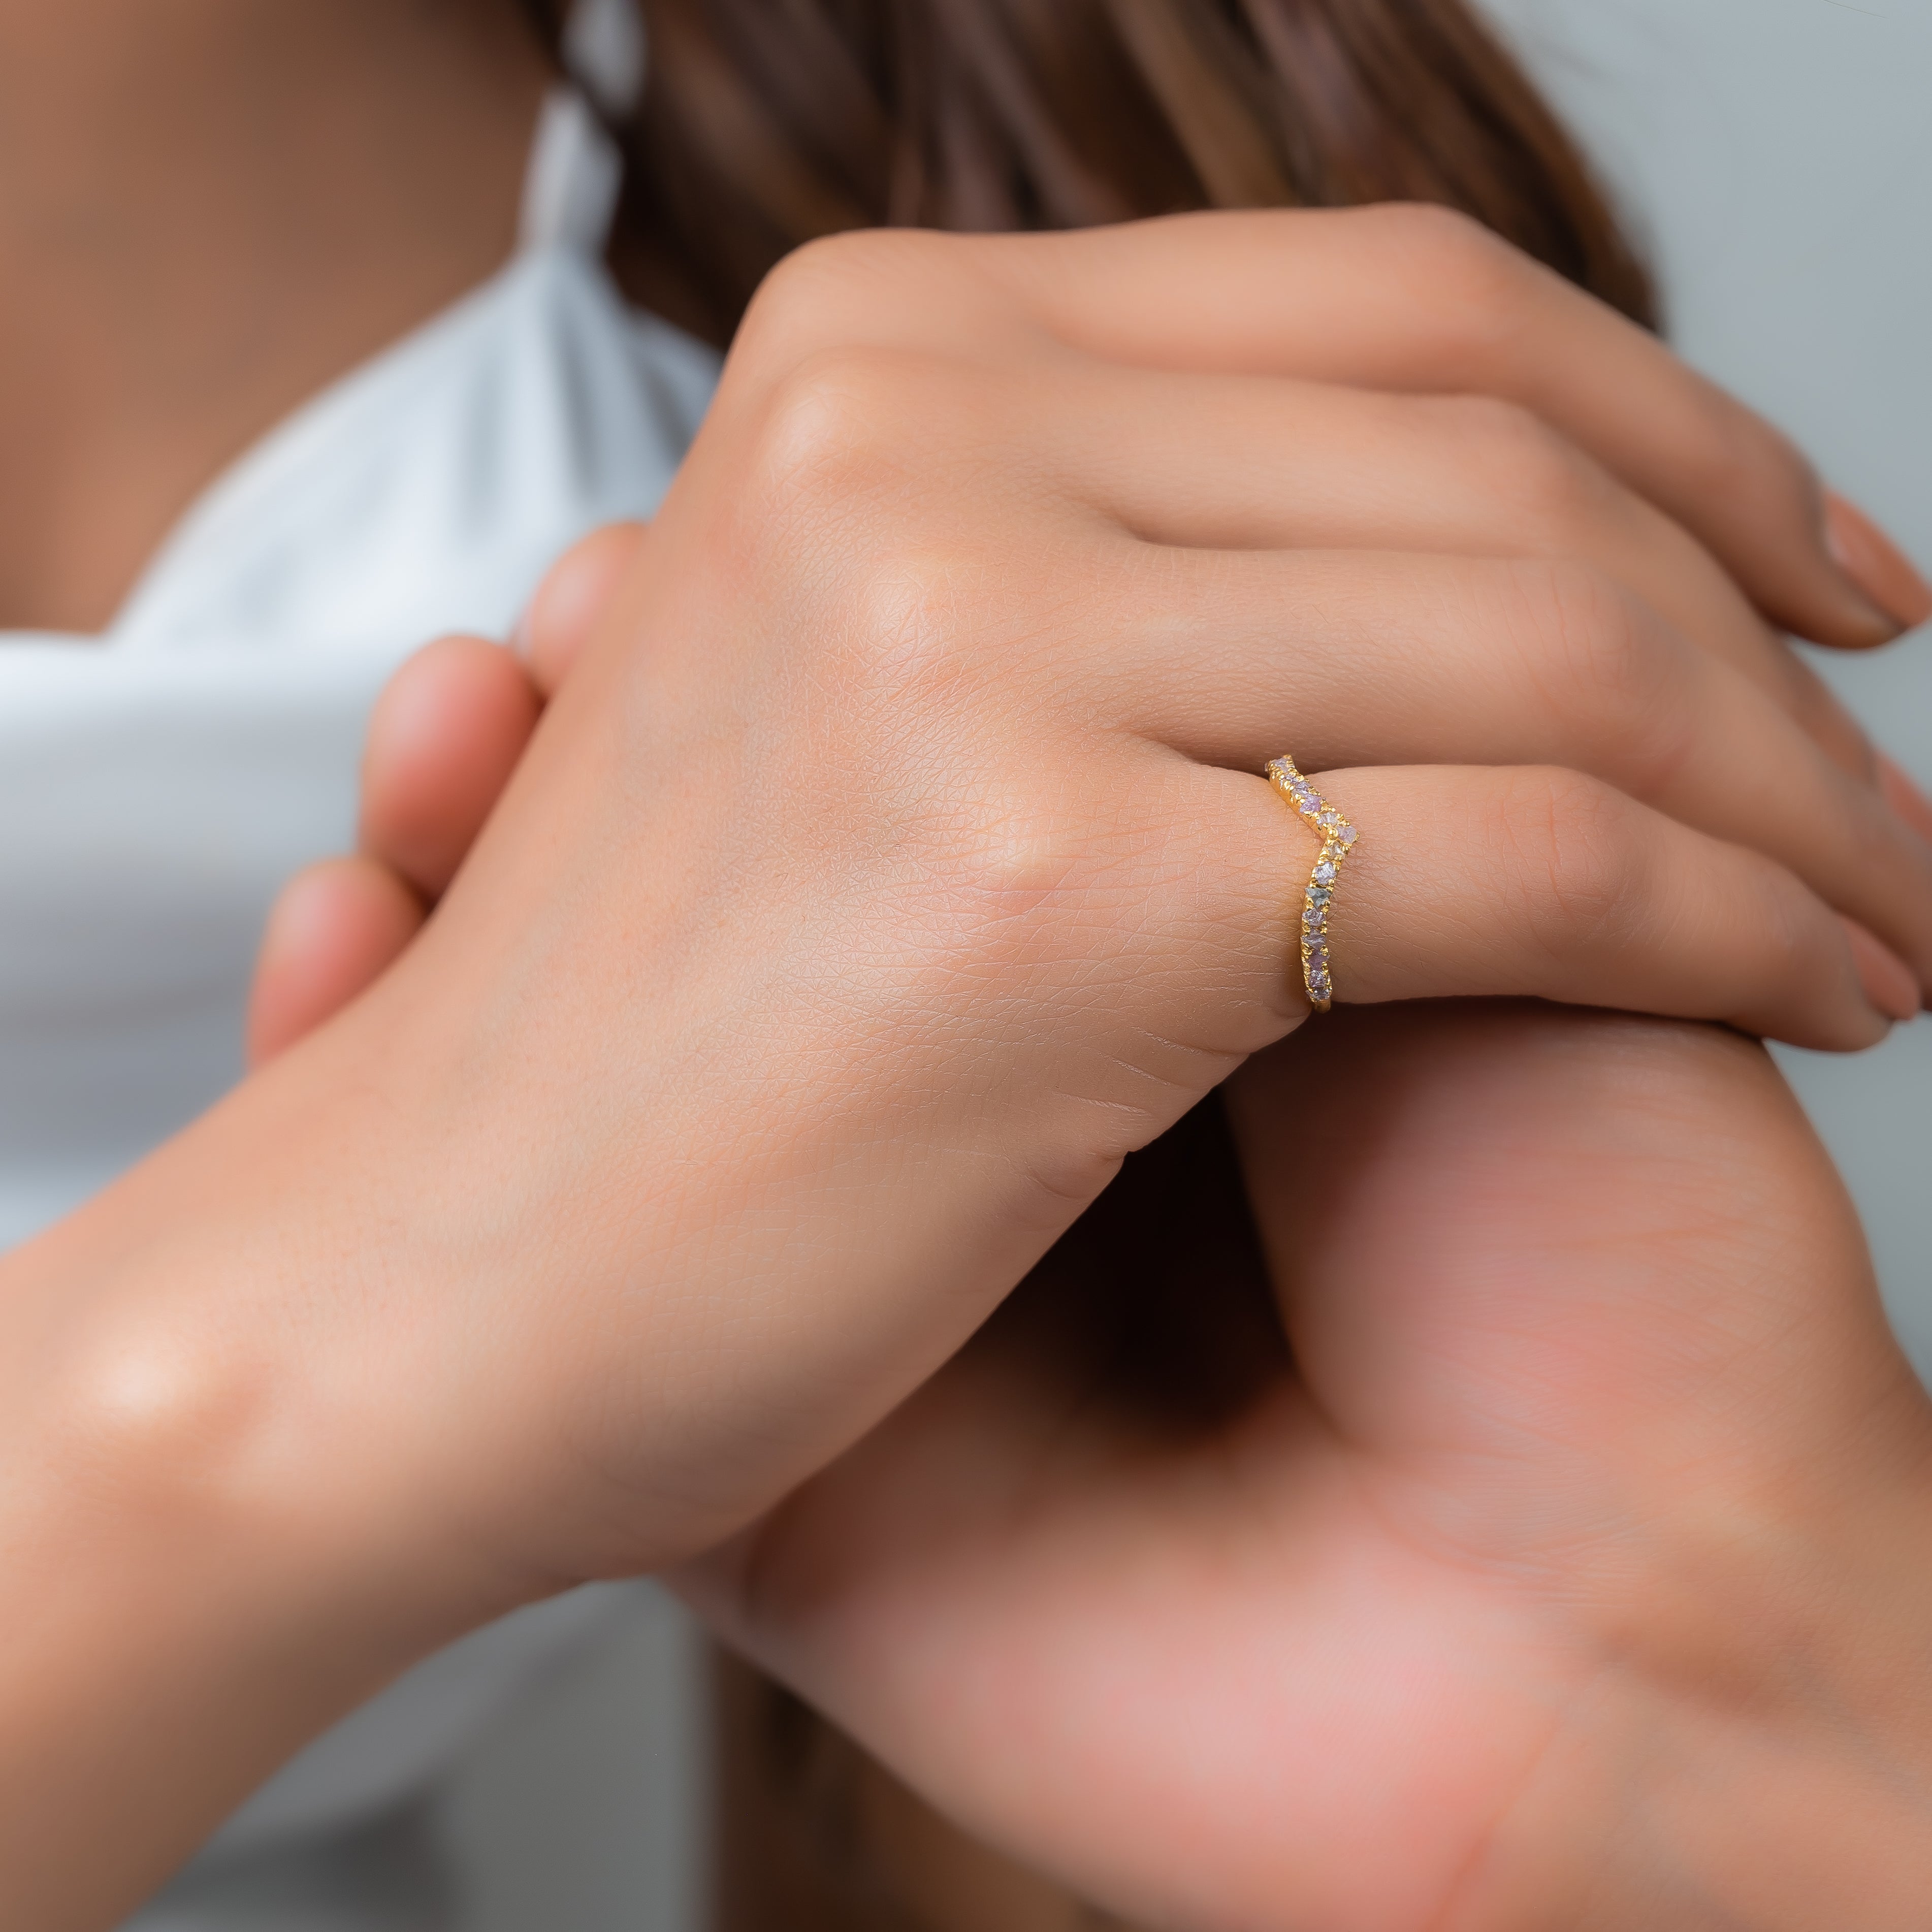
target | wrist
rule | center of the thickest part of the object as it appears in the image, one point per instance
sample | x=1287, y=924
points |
x=209, y=1557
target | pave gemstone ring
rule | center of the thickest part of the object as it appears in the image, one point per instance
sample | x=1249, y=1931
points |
x=1337, y=835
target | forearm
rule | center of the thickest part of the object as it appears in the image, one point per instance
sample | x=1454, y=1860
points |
x=158, y=1665
x=199, y=1569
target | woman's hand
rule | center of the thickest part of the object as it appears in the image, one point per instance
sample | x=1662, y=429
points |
x=892, y=866
x=922, y=811
x=1569, y=1566
x=1041, y=1579
x=1516, y=607
x=1483, y=1613
x=447, y=732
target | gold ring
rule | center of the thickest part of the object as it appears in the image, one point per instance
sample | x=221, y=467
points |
x=1337, y=835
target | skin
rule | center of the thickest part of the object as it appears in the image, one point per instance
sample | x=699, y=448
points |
x=1574, y=1573
x=1605, y=1263
x=209, y=208
x=1573, y=1523
x=332, y=1378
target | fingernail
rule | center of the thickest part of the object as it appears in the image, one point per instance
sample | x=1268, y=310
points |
x=1875, y=564
x=1887, y=979
x=1904, y=797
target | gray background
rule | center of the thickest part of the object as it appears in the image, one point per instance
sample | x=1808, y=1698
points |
x=585, y=1809
x=1777, y=154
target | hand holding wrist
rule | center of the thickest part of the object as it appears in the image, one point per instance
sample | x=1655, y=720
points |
x=1582, y=1539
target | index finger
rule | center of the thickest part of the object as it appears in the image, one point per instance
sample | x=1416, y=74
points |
x=1398, y=298
x=1416, y=298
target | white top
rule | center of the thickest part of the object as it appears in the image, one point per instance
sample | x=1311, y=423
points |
x=159, y=783
x=156, y=784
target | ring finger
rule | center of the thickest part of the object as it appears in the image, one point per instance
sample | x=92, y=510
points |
x=1351, y=659
x=1541, y=883
x=1232, y=462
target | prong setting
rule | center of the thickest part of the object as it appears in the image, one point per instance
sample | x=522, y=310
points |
x=1338, y=837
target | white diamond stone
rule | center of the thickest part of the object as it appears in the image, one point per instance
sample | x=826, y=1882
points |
x=1324, y=872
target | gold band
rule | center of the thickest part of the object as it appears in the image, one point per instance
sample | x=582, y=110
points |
x=1337, y=835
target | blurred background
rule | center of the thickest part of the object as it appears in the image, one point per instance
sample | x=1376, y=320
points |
x=1777, y=155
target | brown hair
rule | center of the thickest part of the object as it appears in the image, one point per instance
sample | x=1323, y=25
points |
x=765, y=123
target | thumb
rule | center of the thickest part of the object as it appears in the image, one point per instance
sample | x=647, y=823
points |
x=336, y=928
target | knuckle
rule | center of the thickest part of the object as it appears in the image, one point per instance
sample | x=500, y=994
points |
x=902, y=643
x=1477, y=283
x=1726, y=454
x=863, y=504
x=854, y=426
x=1819, y=710
x=1429, y=229
x=1535, y=477
x=1608, y=669
x=860, y=281
x=1569, y=847
x=1016, y=851
x=832, y=514
x=827, y=425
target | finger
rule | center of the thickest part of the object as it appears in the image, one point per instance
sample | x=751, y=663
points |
x=332, y=931
x=1888, y=981
x=444, y=735
x=1361, y=660
x=1543, y=883
x=1598, y=1132
x=1904, y=797
x=1871, y=559
x=1407, y=298
x=1394, y=298
x=570, y=600
x=1236, y=462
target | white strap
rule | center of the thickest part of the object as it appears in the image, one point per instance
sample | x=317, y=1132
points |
x=575, y=173
x=604, y=50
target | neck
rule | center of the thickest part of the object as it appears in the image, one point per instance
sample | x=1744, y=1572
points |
x=208, y=209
